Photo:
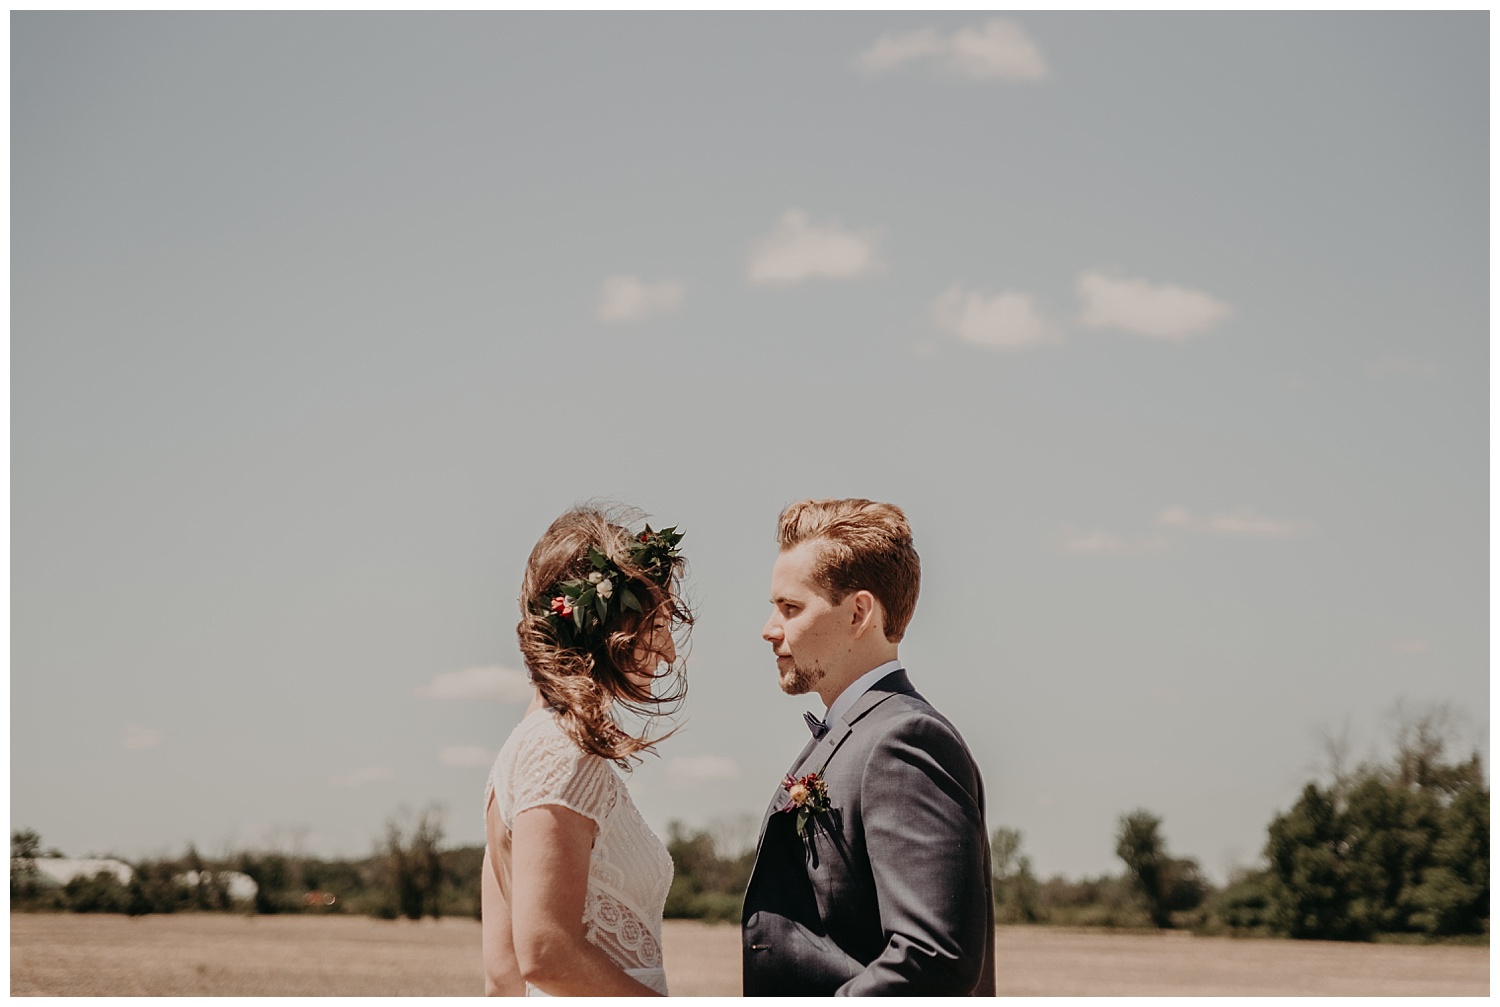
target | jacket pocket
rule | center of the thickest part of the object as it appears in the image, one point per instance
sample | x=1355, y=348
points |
x=825, y=845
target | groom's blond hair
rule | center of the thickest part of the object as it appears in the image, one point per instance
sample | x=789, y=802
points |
x=862, y=546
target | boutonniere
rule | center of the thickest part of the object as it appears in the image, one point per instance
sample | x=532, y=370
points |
x=808, y=795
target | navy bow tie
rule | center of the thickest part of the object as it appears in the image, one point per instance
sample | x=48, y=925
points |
x=816, y=726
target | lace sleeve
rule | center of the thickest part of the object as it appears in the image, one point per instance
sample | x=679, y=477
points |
x=550, y=769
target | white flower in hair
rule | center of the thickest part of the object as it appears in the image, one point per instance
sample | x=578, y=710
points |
x=605, y=588
x=595, y=578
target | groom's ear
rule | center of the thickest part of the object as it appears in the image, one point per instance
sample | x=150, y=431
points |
x=867, y=614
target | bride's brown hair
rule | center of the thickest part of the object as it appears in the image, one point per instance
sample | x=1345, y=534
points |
x=584, y=686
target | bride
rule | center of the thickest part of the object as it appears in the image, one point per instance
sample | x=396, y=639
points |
x=574, y=880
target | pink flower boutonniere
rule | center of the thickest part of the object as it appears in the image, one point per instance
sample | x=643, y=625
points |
x=808, y=795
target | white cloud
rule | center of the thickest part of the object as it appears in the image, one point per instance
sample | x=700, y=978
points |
x=1246, y=522
x=137, y=736
x=797, y=250
x=1006, y=321
x=362, y=776
x=890, y=51
x=996, y=50
x=1243, y=523
x=467, y=756
x=504, y=684
x=1176, y=517
x=694, y=771
x=1156, y=311
x=629, y=298
x=1103, y=543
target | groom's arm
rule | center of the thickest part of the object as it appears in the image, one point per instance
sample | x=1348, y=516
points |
x=924, y=835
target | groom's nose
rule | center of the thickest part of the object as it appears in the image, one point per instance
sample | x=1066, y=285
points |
x=771, y=631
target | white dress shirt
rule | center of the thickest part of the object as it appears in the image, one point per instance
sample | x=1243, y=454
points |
x=861, y=685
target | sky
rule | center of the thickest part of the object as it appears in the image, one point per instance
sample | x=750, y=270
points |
x=1168, y=332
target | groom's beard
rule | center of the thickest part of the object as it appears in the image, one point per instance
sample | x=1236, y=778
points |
x=799, y=680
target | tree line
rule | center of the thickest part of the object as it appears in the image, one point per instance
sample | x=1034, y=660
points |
x=1386, y=850
x=1390, y=850
x=409, y=874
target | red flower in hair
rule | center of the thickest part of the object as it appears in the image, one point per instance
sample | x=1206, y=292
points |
x=561, y=607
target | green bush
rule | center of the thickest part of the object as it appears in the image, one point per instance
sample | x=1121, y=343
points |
x=1088, y=902
x=1102, y=901
x=1167, y=886
x=275, y=887
x=1401, y=848
x=1244, y=904
x=706, y=885
x=1015, y=887
x=1382, y=859
x=101, y=893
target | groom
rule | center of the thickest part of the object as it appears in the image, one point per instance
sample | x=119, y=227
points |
x=872, y=873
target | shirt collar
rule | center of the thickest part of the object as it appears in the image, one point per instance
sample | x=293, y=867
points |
x=856, y=689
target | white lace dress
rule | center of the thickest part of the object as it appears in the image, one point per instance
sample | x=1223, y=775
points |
x=629, y=868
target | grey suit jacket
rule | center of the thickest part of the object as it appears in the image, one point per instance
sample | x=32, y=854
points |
x=889, y=892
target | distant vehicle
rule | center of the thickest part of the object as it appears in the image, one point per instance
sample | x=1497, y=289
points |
x=61, y=870
x=242, y=887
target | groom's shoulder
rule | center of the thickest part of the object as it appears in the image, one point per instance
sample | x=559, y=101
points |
x=905, y=730
x=909, y=714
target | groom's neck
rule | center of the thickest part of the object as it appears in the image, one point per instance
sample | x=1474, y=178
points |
x=833, y=684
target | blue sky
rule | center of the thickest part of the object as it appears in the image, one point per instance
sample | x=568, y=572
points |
x=1169, y=333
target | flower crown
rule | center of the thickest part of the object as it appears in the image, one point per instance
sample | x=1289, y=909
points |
x=582, y=608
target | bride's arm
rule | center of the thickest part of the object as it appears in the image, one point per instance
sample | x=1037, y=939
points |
x=502, y=976
x=550, y=848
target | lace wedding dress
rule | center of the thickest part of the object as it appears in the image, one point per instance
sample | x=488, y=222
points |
x=629, y=868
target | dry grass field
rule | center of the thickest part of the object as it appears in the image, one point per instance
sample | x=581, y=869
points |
x=218, y=955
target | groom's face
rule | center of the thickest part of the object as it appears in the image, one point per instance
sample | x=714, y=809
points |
x=806, y=630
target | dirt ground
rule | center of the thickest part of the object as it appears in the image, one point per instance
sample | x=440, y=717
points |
x=220, y=955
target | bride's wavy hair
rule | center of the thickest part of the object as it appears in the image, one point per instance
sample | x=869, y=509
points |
x=585, y=686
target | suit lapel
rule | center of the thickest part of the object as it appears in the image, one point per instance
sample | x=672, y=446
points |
x=818, y=752
x=779, y=799
x=816, y=759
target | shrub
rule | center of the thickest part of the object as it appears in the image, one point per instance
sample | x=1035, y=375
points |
x=1245, y=904
x=1401, y=848
x=706, y=883
x=1164, y=884
x=101, y=893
